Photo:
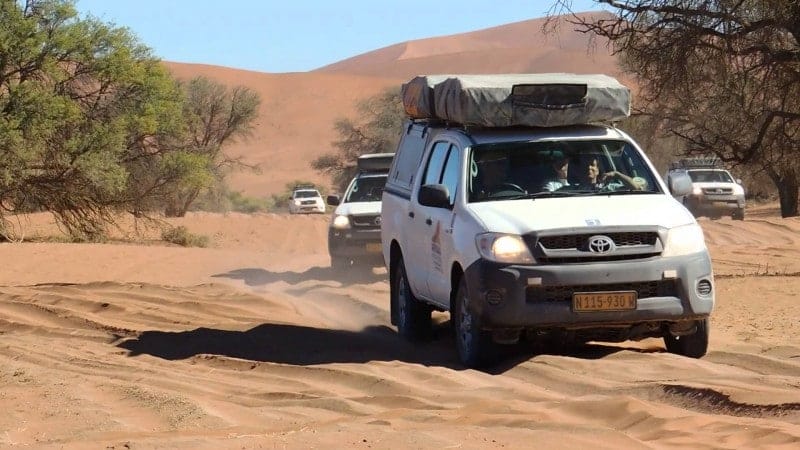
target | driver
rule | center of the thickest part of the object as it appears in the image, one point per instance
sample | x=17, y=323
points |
x=558, y=178
x=492, y=175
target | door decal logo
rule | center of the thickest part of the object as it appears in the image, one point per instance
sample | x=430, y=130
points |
x=436, y=248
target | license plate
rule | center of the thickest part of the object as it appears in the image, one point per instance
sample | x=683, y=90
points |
x=374, y=248
x=604, y=301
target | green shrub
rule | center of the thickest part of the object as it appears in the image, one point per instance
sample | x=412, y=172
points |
x=243, y=204
x=180, y=235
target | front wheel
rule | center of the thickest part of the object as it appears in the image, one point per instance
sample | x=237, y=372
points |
x=738, y=214
x=340, y=263
x=475, y=346
x=413, y=317
x=692, y=345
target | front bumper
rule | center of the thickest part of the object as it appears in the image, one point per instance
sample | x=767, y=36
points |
x=299, y=209
x=514, y=296
x=715, y=203
x=355, y=243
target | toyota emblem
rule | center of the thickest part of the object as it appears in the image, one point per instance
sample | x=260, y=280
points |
x=601, y=244
x=378, y=220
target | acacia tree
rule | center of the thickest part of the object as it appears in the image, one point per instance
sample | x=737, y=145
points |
x=76, y=98
x=722, y=75
x=376, y=130
x=92, y=124
x=216, y=115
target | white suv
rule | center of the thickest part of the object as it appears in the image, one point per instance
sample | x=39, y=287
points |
x=306, y=200
x=610, y=259
x=714, y=193
x=354, y=233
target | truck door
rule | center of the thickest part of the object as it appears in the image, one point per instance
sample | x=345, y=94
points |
x=421, y=229
x=433, y=225
x=442, y=245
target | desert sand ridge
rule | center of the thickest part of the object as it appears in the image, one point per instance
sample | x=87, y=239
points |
x=257, y=342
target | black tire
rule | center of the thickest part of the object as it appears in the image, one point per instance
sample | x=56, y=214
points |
x=340, y=263
x=475, y=346
x=738, y=214
x=413, y=317
x=692, y=345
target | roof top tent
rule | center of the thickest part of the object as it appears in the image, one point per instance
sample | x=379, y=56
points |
x=375, y=162
x=505, y=100
x=698, y=162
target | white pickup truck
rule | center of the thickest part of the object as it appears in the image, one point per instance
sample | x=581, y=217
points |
x=534, y=232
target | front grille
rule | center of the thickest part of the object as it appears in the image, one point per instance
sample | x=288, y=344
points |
x=589, y=259
x=307, y=202
x=579, y=241
x=574, y=248
x=541, y=294
x=718, y=191
x=366, y=221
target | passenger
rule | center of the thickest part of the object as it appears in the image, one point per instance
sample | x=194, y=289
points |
x=610, y=181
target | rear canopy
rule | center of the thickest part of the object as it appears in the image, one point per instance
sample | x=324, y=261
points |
x=504, y=100
x=375, y=162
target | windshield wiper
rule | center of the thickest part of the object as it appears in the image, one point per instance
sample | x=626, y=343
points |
x=627, y=191
x=548, y=194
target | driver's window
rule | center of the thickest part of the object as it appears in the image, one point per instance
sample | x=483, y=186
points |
x=451, y=171
x=433, y=173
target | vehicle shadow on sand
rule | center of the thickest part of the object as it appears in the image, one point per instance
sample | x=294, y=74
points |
x=260, y=277
x=302, y=345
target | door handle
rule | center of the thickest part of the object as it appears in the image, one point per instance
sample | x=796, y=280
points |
x=411, y=214
x=428, y=221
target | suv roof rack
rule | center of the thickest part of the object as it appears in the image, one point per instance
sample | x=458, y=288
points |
x=375, y=162
x=304, y=186
x=697, y=162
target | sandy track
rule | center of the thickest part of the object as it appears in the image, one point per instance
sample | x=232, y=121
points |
x=254, y=348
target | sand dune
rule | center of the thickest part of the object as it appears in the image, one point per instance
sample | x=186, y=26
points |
x=257, y=342
x=299, y=110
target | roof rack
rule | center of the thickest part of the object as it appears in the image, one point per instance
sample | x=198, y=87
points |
x=375, y=162
x=304, y=186
x=697, y=162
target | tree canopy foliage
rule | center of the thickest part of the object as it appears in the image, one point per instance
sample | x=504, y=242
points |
x=91, y=123
x=376, y=130
x=722, y=75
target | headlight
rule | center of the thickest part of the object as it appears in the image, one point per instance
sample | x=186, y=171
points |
x=697, y=190
x=341, y=222
x=504, y=248
x=684, y=240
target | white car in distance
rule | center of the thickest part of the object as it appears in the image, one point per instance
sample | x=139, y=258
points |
x=306, y=200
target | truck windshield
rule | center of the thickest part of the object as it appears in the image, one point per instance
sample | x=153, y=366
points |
x=710, y=176
x=366, y=189
x=503, y=171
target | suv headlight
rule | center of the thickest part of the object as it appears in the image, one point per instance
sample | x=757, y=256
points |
x=341, y=222
x=697, y=190
x=684, y=240
x=504, y=248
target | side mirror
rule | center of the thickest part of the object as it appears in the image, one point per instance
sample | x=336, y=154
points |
x=738, y=181
x=333, y=200
x=434, y=195
x=680, y=184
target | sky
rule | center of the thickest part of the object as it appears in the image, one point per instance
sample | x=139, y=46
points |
x=280, y=36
